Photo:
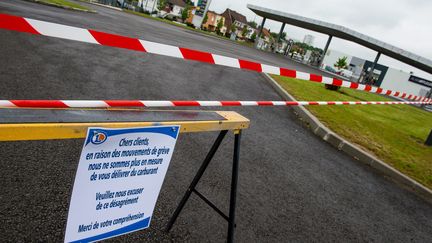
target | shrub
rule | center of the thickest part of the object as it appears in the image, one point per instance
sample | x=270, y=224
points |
x=332, y=87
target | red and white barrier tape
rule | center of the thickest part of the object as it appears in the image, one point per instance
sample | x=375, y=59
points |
x=179, y=103
x=37, y=27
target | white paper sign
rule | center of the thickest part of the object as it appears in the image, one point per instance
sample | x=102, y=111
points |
x=119, y=176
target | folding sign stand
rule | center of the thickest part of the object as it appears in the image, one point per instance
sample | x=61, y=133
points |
x=45, y=124
x=231, y=217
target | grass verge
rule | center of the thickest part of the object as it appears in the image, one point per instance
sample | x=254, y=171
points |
x=394, y=133
x=157, y=19
x=63, y=4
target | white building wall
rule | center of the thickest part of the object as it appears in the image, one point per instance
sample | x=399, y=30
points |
x=397, y=80
x=250, y=32
x=177, y=10
x=223, y=29
x=309, y=39
x=332, y=56
x=148, y=5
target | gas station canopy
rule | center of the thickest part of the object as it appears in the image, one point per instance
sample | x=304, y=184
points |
x=346, y=34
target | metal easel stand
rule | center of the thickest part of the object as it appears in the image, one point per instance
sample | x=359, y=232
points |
x=234, y=179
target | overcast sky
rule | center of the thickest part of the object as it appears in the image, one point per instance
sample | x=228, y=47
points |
x=404, y=23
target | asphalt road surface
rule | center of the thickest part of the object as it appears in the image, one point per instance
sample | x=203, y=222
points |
x=292, y=186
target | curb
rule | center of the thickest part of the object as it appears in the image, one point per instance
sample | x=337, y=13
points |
x=61, y=6
x=102, y=5
x=354, y=151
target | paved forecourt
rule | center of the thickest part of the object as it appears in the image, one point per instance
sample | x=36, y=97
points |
x=112, y=21
x=32, y=26
x=293, y=187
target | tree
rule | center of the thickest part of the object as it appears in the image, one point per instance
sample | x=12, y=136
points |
x=205, y=18
x=308, y=47
x=244, y=31
x=219, y=25
x=233, y=28
x=185, y=13
x=162, y=4
x=252, y=24
x=253, y=37
x=341, y=63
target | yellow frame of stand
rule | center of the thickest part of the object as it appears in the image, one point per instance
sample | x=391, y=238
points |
x=49, y=131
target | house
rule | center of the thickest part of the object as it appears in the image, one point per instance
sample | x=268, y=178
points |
x=212, y=22
x=175, y=8
x=191, y=12
x=266, y=40
x=232, y=18
x=148, y=5
x=249, y=33
x=266, y=35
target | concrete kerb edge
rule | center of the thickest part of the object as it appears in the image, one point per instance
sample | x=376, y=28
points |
x=102, y=5
x=341, y=144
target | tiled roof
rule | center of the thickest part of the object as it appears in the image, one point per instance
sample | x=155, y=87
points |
x=180, y=3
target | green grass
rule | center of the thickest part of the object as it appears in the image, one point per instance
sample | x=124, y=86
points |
x=65, y=3
x=394, y=133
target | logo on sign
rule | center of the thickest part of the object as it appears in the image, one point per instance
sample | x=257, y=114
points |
x=98, y=137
